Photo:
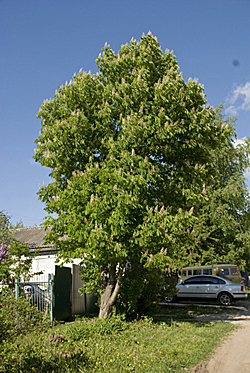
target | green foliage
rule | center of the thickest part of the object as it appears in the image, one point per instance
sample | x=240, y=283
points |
x=129, y=150
x=140, y=290
x=15, y=258
x=227, y=209
x=17, y=317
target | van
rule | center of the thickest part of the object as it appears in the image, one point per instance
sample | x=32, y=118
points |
x=228, y=271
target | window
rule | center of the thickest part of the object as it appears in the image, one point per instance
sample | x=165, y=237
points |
x=196, y=272
x=190, y=272
x=192, y=281
x=220, y=281
x=234, y=271
x=212, y=280
x=184, y=273
x=224, y=271
x=207, y=271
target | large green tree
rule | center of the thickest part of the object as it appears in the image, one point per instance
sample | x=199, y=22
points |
x=129, y=150
x=227, y=209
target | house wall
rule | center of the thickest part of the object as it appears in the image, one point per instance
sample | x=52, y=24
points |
x=46, y=263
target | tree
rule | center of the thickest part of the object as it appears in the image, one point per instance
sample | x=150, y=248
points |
x=227, y=208
x=129, y=150
x=15, y=258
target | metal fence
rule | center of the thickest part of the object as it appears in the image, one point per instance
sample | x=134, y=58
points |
x=39, y=290
x=57, y=296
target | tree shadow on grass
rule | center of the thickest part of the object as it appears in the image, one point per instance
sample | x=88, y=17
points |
x=51, y=363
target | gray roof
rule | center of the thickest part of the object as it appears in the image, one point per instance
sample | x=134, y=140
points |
x=34, y=238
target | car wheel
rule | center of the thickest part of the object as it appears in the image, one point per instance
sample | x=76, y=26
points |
x=169, y=299
x=225, y=299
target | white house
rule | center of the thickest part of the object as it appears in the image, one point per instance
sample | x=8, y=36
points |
x=45, y=262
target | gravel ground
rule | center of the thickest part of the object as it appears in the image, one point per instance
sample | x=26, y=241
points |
x=233, y=356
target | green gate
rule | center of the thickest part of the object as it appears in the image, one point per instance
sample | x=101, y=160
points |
x=62, y=293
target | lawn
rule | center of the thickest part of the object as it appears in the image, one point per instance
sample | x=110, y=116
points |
x=114, y=345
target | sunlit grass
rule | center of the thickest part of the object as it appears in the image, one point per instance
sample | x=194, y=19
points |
x=94, y=346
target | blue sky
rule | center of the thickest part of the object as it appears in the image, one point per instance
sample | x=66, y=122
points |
x=43, y=43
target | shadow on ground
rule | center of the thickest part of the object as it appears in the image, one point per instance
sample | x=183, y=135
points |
x=205, y=312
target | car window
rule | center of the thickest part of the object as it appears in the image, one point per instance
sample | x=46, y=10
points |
x=184, y=273
x=190, y=272
x=220, y=281
x=196, y=272
x=212, y=280
x=234, y=271
x=192, y=281
x=207, y=271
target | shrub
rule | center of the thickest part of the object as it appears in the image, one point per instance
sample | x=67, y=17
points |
x=17, y=316
x=138, y=295
x=140, y=290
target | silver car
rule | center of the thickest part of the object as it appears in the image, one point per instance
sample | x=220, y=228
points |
x=209, y=287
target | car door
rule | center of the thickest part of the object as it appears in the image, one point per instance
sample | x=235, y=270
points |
x=190, y=288
x=210, y=286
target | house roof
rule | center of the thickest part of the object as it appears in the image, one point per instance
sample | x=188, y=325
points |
x=34, y=239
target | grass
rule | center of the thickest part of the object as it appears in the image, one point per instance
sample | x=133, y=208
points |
x=113, y=345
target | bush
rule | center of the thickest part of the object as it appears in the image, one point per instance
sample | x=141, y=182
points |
x=138, y=295
x=17, y=317
x=140, y=291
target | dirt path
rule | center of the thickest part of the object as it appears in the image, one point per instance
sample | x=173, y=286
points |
x=233, y=356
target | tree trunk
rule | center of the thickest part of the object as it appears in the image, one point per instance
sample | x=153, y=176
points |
x=111, y=284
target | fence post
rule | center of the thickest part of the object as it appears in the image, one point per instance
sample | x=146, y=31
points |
x=51, y=296
x=17, y=287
